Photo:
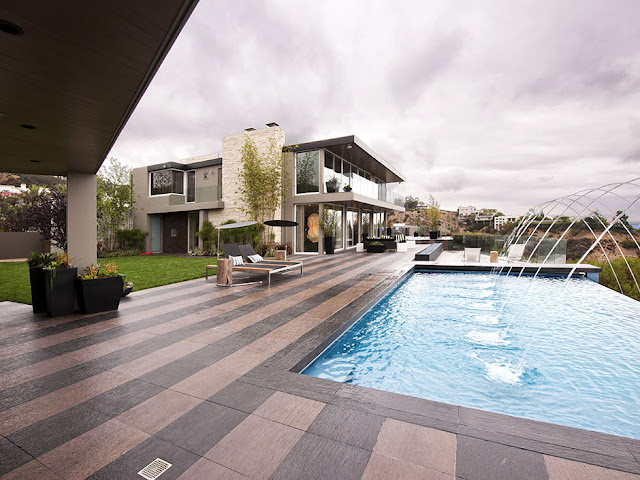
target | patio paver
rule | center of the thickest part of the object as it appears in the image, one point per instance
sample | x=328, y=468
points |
x=205, y=378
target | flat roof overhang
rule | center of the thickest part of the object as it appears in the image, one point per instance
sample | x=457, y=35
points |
x=354, y=150
x=76, y=74
x=349, y=199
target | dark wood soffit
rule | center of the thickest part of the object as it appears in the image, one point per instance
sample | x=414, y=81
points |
x=77, y=74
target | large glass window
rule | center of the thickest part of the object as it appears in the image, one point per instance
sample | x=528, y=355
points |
x=191, y=186
x=308, y=229
x=352, y=227
x=338, y=233
x=366, y=225
x=307, y=172
x=378, y=224
x=167, y=181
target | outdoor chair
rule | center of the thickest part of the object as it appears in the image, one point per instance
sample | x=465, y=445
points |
x=515, y=252
x=266, y=266
x=472, y=254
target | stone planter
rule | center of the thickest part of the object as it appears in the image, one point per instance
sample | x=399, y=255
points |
x=99, y=294
x=60, y=291
x=38, y=289
x=329, y=244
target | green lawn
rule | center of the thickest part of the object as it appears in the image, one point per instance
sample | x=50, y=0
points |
x=144, y=271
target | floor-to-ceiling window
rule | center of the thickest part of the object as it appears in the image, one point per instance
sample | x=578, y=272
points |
x=307, y=172
x=366, y=225
x=338, y=233
x=308, y=229
x=378, y=224
x=352, y=227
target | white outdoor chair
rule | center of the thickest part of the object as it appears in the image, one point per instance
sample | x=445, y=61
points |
x=472, y=254
x=515, y=252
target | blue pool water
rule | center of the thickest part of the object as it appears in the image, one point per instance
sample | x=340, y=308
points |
x=560, y=352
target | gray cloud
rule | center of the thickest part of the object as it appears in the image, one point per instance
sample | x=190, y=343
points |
x=499, y=104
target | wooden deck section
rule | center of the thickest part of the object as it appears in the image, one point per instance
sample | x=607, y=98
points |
x=204, y=378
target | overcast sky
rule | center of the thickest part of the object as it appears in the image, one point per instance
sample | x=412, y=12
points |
x=501, y=104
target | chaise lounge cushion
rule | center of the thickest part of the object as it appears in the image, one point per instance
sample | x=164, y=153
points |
x=236, y=261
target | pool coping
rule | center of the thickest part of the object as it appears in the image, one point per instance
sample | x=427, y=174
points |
x=281, y=372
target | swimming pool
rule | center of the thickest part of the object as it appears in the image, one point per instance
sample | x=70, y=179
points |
x=550, y=350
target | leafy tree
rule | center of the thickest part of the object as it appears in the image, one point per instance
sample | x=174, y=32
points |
x=115, y=200
x=262, y=184
x=207, y=233
x=433, y=212
x=411, y=203
x=45, y=211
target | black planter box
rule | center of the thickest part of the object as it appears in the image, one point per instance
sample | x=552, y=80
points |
x=329, y=244
x=375, y=248
x=38, y=289
x=434, y=235
x=99, y=294
x=60, y=291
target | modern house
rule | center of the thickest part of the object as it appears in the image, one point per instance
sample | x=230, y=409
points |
x=173, y=199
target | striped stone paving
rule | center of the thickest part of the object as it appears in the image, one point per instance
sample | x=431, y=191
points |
x=205, y=378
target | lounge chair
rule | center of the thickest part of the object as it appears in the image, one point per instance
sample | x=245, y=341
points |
x=266, y=266
x=515, y=252
x=472, y=254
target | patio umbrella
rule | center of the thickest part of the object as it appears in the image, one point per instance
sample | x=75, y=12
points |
x=231, y=225
x=281, y=223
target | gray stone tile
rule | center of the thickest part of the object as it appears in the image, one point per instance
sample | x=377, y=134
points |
x=202, y=427
x=48, y=434
x=480, y=460
x=11, y=456
x=172, y=373
x=242, y=396
x=35, y=388
x=401, y=407
x=316, y=457
x=543, y=432
x=128, y=465
x=622, y=461
x=348, y=426
x=123, y=397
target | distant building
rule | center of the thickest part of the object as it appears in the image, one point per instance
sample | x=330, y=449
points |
x=501, y=220
x=466, y=211
x=10, y=190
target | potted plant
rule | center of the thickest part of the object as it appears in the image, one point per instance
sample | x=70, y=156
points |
x=127, y=288
x=100, y=288
x=59, y=275
x=433, y=212
x=332, y=184
x=347, y=188
x=329, y=223
x=37, y=262
x=375, y=247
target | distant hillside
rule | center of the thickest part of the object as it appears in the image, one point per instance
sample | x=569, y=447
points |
x=419, y=217
x=17, y=179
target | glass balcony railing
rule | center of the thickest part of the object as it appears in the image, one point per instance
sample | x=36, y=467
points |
x=212, y=193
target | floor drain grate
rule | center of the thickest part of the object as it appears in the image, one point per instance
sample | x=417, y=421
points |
x=154, y=469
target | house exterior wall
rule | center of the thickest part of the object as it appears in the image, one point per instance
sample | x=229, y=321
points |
x=231, y=164
x=220, y=205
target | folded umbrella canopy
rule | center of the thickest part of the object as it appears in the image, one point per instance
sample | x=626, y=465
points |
x=281, y=223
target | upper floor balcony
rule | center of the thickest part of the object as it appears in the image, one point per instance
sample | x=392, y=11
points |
x=345, y=169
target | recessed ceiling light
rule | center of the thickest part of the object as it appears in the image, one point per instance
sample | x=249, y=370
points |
x=10, y=28
x=35, y=161
x=28, y=126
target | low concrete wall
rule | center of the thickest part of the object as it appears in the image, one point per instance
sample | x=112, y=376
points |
x=19, y=244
